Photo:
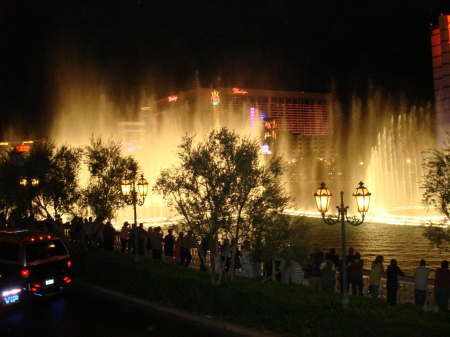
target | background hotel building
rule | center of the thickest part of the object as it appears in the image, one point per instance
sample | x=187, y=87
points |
x=440, y=44
x=301, y=122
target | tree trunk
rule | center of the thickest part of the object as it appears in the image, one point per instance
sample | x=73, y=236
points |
x=232, y=270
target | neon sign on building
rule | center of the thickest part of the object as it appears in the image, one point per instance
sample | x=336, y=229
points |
x=23, y=148
x=271, y=127
x=252, y=116
x=265, y=149
x=215, y=97
x=239, y=91
x=448, y=27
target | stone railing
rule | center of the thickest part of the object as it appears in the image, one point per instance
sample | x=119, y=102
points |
x=405, y=289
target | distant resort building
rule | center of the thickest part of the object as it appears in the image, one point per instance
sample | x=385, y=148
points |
x=440, y=44
x=132, y=134
x=301, y=123
x=19, y=146
x=298, y=125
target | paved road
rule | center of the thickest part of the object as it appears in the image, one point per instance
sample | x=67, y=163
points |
x=84, y=311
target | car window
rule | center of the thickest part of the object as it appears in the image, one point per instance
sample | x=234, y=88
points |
x=9, y=251
x=43, y=250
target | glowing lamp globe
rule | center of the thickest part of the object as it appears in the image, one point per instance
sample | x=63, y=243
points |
x=142, y=186
x=126, y=187
x=34, y=181
x=323, y=198
x=362, y=198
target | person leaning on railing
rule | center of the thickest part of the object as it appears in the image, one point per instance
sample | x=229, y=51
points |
x=421, y=274
x=393, y=272
x=442, y=286
x=124, y=234
x=375, y=275
x=187, y=244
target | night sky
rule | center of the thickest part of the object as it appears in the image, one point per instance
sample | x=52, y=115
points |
x=315, y=46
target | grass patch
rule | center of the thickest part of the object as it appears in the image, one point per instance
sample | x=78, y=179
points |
x=287, y=309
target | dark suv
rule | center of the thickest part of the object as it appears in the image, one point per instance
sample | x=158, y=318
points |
x=32, y=263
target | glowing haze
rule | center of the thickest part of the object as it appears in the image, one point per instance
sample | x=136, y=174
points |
x=381, y=144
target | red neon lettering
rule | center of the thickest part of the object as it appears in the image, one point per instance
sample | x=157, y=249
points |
x=172, y=98
x=23, y=148
x=239, y=91
x=448, y=27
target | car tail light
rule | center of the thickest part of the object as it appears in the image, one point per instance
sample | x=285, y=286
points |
x=25, y=273
x=67, y=279
x=69, y=263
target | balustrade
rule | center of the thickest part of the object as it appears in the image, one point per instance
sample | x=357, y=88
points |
x=405, y=289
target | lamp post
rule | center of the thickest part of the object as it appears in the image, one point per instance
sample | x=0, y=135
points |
x=133, y=196
x=362, y=198
x=29, y=183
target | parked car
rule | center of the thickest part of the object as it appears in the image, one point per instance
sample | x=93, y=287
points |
x=32, y=263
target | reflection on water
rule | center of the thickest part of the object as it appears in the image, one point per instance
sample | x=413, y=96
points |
x=402, y=242
x=412, y=215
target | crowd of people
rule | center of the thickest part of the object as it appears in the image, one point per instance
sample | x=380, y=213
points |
x=323, y=268
x=153, y=243
x=92, y=234
x=321, y=273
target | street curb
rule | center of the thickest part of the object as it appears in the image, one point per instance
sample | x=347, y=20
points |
x=205, y=320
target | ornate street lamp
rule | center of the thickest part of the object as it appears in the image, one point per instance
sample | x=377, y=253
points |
x=362, y=198
x=28, y=184
x=133, y=196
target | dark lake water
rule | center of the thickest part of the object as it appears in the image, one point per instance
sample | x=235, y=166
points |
x=400, y=239
x=404, y=243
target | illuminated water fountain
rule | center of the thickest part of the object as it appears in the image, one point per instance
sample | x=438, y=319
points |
x=382, y=144
x=85, y=109
x=395, y=137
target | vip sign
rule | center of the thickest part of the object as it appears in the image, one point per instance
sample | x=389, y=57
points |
x=11, y=299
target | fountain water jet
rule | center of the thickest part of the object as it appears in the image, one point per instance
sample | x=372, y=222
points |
x=396, y=136
x=386, y=135
x=84, y=109
x=380, y=141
